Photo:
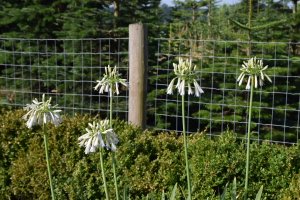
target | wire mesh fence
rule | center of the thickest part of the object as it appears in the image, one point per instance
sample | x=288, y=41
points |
x=224, y=103
x=66, y=70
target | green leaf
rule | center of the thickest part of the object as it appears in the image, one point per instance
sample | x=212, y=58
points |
x=224, y=192
x=173, y=192
x=183, y=193
x=152, y=197
x=125, y=193
x=233, y=192
x=258, y=196
x=163, y=195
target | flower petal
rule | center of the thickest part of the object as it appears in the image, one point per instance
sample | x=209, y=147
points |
x=88, y=146
x=248, y=84
x=255, y=81
x=241, y=80
x=268, y=78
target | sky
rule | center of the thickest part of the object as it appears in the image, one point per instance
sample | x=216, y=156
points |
x=170, y=2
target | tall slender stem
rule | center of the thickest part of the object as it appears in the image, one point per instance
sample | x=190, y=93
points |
x=185, y=149
x=112, y=152
x=248, y=140
x=103, y=174
x=48, y=161
x=110, y=109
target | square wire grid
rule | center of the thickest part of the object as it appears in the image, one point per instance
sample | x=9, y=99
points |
x=276, y=105
x=64, y=69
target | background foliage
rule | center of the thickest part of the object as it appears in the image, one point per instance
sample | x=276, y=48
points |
x=63, y=60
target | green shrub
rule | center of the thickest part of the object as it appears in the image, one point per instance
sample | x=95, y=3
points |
x=14, y=136
x=145, y=163
x=293, y=191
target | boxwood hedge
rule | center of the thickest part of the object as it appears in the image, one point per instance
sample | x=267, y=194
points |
x=145, y=162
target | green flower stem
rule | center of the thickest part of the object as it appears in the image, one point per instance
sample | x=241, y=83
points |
x=112, y=152
x=248, y=140
x=48, y=161
x=103, y=175
x=185, y=149
x=110, y=109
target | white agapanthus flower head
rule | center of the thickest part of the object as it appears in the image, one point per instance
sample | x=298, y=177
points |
x=186, y=74
x=41, y=112
x=93, y=138
x=253, y=68
x=111, y=139
x=110, y=79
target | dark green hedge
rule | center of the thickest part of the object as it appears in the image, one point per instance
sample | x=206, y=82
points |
x=145, y=162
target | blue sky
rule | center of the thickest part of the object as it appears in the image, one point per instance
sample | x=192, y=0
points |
x=170, y=2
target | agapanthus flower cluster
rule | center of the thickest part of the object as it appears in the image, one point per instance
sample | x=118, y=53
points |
x=255, y=69
x=111, y=78
x=93, y=138
x=186, y=74
x=41, y=111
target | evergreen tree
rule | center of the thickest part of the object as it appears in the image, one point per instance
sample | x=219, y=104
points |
x=190, y=17
x=259, y=26
x=166, y=12
x=30, y=19
x=84, y=19
x=77, y=60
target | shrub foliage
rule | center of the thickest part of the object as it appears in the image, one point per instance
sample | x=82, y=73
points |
x=145, y=162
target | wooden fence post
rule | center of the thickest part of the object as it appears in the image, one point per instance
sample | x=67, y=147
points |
x=138, y=74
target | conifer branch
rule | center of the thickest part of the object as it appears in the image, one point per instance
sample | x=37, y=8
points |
x=266, y=25
x=239, y=24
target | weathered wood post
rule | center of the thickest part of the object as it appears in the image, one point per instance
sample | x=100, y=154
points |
x=138, y=74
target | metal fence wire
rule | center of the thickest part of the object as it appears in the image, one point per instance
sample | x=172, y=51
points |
x=66, y=70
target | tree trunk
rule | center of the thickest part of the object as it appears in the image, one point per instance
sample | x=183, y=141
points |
x=179, y=31
x=194, y=18
x=208, y=20
x=295, y=8
x=116, y=25
x=268, y=16
x=116, y=13
x=295, y=28
x=250, y=11
x=170, y=30
x=220, y=21
x=249, y=22
x=194, y=8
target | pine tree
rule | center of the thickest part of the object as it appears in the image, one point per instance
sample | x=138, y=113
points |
x=30, y=19
x=190, y=17
x=84, y=19
x=259, y=26
x=77, y=60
